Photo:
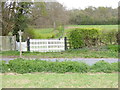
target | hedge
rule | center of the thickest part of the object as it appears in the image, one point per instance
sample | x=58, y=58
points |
x=29, y=66
x=82, y=37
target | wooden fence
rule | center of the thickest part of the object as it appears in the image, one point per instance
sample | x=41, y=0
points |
x=43, y=45
x=7, y=43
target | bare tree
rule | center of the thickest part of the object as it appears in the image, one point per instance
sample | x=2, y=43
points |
x=8, y=12
x=48, y=14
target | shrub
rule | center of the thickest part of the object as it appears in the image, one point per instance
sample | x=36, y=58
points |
x=83, y=37
x=102, y=66
x=27, y=66
x=115, y=66
x=108, y=36
x=4, y=67
x=69, y=66
x=114, y=47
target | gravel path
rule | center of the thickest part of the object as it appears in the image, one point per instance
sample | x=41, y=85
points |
x=89, y=61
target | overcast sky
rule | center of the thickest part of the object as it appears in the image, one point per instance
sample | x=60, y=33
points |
x=81, y=4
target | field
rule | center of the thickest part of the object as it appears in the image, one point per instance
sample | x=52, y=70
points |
x=54, y=80
x=106, y=27
x=49, y=33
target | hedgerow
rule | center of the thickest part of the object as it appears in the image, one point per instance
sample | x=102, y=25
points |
x=82, y=37
x=29, y=66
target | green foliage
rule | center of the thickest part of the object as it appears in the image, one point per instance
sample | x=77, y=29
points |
x=21, y=18
x=115, y=66
x=102, y=66
x=45, y=36
x=60, y=30
x=94, y=16
x=44, y=33
x=4, y=67
x=86, y=52
x=115, y=48
x=29, y=66
x=29, y=32
x=81, y=37
x=108, y=36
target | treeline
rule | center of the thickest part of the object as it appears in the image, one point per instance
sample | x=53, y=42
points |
x=57, y=14
x=94, y=16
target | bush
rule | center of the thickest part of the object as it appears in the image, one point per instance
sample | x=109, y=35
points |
x=83, y=37
x=115, y=66
x=108, y=36
x=102, y=66
x=69, y=66
x=27, y=66
x=4, y=67
x=115, y=48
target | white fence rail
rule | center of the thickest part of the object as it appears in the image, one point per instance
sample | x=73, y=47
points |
x=44, y=45
x=23, y=46
x=47, y=45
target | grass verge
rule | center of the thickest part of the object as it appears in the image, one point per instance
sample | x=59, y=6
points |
x=55, y=80
x=78, y=53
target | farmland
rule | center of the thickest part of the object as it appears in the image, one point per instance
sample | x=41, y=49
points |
x=48, y=32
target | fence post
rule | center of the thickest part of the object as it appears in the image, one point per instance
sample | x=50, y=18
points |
x=28, y=44
x=65, y=38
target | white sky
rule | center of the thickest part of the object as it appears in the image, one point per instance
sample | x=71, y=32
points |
x=81, y=4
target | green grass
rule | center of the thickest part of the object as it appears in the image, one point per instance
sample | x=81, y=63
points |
x=43, y=30
x=101, y=27
x=105, y=27
x=44, y=33
x=79, y=53
x=49, y=33
x=54, y=80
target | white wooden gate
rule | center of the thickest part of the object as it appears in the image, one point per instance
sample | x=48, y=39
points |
x=43, y=45
x=47, y=45
x=23, y=46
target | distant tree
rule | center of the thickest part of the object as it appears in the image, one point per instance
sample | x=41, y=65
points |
x=48, y=14
x=92, y=15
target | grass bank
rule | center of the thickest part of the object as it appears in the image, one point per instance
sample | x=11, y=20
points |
x=54, y=80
